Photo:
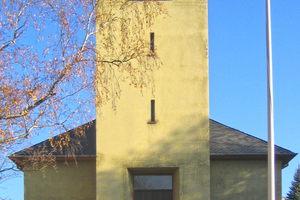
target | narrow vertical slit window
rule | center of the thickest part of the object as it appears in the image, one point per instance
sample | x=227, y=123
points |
x=152, y=43
x=152, y=111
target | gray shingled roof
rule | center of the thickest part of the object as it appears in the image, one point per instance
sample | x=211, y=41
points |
x=228, y=141
x=225, y=143
x=82, y=145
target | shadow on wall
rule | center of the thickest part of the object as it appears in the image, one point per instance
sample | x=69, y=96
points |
x=241, y=179
x=66, y=182
x=184, y=151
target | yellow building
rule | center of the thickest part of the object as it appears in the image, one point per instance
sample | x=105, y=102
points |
x=238, y=169
x=162, y=147
x=175, y=142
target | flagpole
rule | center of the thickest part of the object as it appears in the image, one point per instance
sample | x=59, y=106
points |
x=271, y=151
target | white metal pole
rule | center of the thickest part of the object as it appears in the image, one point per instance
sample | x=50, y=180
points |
x=271, y=152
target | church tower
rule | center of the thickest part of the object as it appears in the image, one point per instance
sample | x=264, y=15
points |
x=157, y=146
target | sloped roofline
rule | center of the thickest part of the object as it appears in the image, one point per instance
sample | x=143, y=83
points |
x=229, y=143
x=225, y=143
x=250, y=135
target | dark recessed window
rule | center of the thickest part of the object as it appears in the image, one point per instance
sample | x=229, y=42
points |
x=152, y=110
x=152, y=43
x=153, y=187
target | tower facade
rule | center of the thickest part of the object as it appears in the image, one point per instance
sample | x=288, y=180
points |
x=157, y=144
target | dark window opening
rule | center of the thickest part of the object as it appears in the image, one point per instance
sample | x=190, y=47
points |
x=153, y=187
x=152, y=43
x=152, y=110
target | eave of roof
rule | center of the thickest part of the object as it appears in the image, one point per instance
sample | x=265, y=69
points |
x=229, y=143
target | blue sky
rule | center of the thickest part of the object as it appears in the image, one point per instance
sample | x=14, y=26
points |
x=238, y=74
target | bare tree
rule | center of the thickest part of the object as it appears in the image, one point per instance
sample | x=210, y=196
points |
x=48, y=59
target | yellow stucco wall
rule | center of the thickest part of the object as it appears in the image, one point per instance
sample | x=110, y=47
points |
x=242, y=179
x=67, y=182
x=179, y=141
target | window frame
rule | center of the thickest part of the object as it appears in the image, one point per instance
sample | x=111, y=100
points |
x=174, y=171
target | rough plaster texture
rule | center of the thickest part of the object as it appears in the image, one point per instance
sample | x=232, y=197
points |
x=242, y=179
x=66, y=182
x=180, y=138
